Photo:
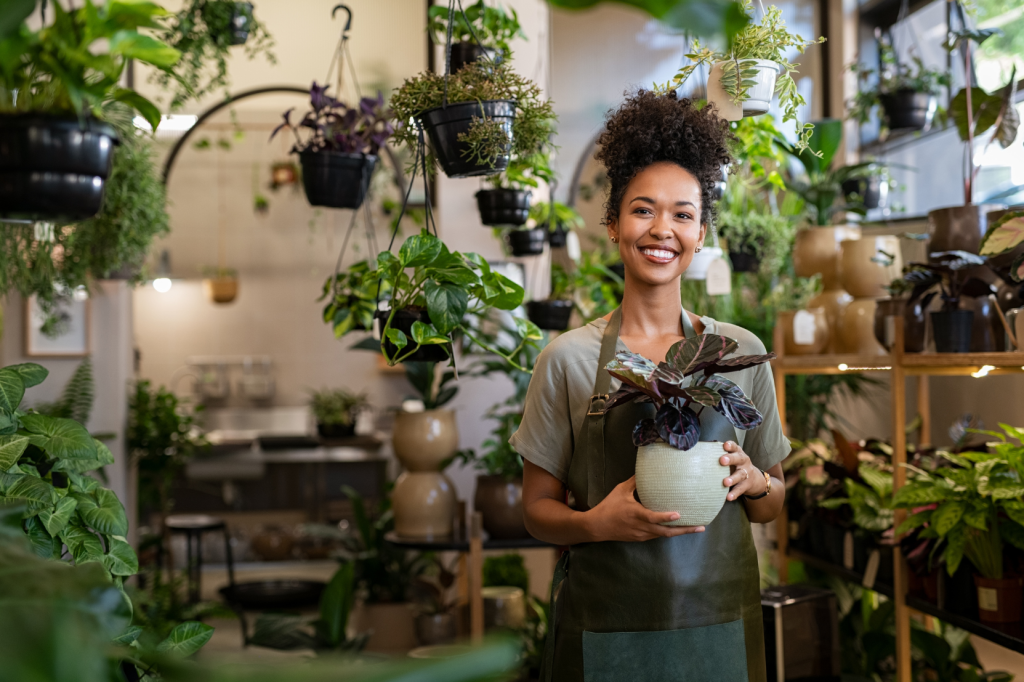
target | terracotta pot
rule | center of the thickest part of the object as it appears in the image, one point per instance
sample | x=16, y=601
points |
x=500, y=500
x=391, y=626
x=435, y=628
x=273, y=543
x=684, y=481
x=818, y=341
x=834, y=301
x=816, y=251
x=861, y=276
x=423, y=440
x=958, y=228
x=858, y=328
x=999, y=601
x=914, y=324
x=504, y=607
x=424, y=505
x=221, y=289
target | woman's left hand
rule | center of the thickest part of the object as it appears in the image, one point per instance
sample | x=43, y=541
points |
x=744, y=478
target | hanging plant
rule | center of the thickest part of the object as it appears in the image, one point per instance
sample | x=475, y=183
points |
x=565, y=218
x=477, y=31
x=204, y=32
x=507, y=203
x=339, y=154
x=554, y=312
x=907, y=94
x=353, y=298
x=477, y=119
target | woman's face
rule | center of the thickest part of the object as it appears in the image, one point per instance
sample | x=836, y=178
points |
x=659, y=226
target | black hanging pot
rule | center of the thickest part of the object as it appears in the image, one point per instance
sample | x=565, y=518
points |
x=557, y=237
x=952, y=330
x=907, y=109
x=53, y=167
x=240, y=24
x=403, y=322
x=503, y=207
x=468, y=52
x=744, y=259
x=527, y=242
x=336, y=431
x=444, y=125
x=336, y=179
x=550, y=315
x=868, y=189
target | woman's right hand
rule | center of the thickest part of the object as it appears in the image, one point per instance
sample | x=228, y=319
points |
x=619, y=517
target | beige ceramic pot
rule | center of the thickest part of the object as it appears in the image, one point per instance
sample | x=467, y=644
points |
x=834, y=301
x=807, y=334
x=392, y=626
x=816, y=251
x=221, y=289
x=424, y=505
x=423, y=440
x=859, y=274
x=858, y=328
x=685, y=481
x=504, y=607
x=500, y=500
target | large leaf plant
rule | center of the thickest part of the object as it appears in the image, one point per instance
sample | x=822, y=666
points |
x=871, y=501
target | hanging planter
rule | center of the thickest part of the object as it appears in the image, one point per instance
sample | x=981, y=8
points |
x=744, y=258
x=503, y=207
x=903, y=94
x=477, y=32
x=557, y=218
x=551, y=315
x=403, y=321
x=240, y=23
x=467, y=52
x=336, y=179
x=908, y=109
x=450, y=129
x=527, y=242
x=871, y=192
x=222, y=288
x=762, y=74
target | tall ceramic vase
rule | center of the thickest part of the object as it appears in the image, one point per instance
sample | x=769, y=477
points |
x=864, y=273
x=815, y=252
x=423, y=499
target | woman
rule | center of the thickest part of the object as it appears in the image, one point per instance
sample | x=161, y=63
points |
x=639, y=600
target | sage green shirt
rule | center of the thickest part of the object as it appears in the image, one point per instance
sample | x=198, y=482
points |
x=563, y=382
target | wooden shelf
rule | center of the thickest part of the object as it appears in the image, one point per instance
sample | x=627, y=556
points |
x=1009, y=635
x=936, y=364
x=832, y=364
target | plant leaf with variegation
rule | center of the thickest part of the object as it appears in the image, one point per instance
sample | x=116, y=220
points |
x=679, y=428
x=734, y=364
x=645, y=433
x=186, y=638
x=735, y=406
x=624, y=395
x=687, y=355
x=1003, y=235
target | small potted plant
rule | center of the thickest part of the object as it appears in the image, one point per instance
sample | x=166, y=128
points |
x=973, y=508
x=435, y=605
x=353, y=299
x=907, y=94
x=559, y=223
x=870, y=187
x=526, y=241
x=476, y=119
x=55, y=150
x=220, y=284
x=554, y=312
x=951, y=326
x=756, y=241
x=507, y=202
x=675, y=470
x=902, y=301
x=339, y=156
x=477, y=31
x=870, y=500
x=754, y=69
x=335, y=411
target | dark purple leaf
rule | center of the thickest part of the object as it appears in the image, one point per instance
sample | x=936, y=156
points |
x=735, y=406
x=645, y=433
x=735, y=363
x=668, y=374
x=287, y=123
x=636, y=381
x=624, y=395
x=666, y=389
x=637, y=364
x=677, y=426
x=686, y=355
x=703, y=395
x=976, y=288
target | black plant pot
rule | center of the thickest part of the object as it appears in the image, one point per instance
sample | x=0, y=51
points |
x=527, y=242
x=907, y=109
x=336, y=179
x=550, y=315
x=557, y=237
x=403, y=322
x=445, y=124
x=869, y=190
x=335, y=431
x=952, y=330
x=744, y=259
x=241, y=22
x=503, y=207
x=467, y=52
x=53, y=167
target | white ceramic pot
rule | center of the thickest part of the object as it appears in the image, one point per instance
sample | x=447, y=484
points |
x=701, y=260
x=759, y=95
x=685, y=481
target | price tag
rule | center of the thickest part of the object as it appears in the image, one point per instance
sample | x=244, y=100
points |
x=988, y=599
x=803, y=328
x=572, y=246
x=719, y=278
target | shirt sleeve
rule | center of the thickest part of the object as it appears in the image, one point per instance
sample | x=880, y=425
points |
x=545, y=436
x=766, y=445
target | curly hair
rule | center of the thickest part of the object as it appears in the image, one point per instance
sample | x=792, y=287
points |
x=649, y=128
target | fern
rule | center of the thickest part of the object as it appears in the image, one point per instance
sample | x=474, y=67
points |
x=77, y=398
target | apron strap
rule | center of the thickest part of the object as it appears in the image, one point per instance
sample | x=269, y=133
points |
x=595, y=417
x=547, y=664
x=608, y=341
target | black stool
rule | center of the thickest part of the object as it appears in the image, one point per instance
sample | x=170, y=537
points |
x=193, y=526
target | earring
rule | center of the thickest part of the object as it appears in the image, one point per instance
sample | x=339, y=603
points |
x=615, y=240
x=697, y=250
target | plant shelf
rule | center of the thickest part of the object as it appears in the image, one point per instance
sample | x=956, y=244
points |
x=1009, y=635
x=839, y=571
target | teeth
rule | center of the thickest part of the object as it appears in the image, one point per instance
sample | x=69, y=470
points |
x=659, y=253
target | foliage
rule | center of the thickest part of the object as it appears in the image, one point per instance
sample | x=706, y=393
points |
x=748, y=225
x=337, y=127
x=158, y=607
x=974, y=507
x=435, y=393
x=947, y=270
x=497, y=328
x=996, y=110
x=565, y=282
x=755, y=148
x=201, y=31
x=491, y=27
x=76, y=399
x=700, y=17
x=336, y=406
x=499, y=458
x=564, y=218
x=599, y=288
x=76, y=63
x=676, y=421
x=891, y=77
x=432, y=590
x=767, y=40
x=507, y=570
x=479, y=81
x=534, y=637
x=324, y=634
x=354, y=298
x=160, y=440
x=523, y=172
x=1004, y=235
x=871, y=503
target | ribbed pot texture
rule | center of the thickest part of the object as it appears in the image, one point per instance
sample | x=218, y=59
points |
x=685, y=481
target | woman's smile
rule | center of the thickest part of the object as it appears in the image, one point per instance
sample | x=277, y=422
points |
x=661, y=255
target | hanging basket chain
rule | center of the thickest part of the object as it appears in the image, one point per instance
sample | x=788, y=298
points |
x=341, y=255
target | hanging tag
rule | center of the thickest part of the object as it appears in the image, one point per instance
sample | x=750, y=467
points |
x=803, y=328
x=717, y=95
x=848, y=551
x=872, y=569
x=43, y=232
x=572, y=246
x=377, y=328
x=988, y=599
x=719, y=278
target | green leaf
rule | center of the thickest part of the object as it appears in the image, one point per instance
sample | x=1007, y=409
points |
x=446, y=304
x=12, y=389
x=82, y=482
x=31, y=374
x=954, y=551
x=1007, y=493
x=913, y=521
x=11, y=448
x=976, y=518
x=14, y=13
x=915, y=494
x=1012, y=533
x=986, y=110
x=397, y=337
x=947, y=516
x=60, y=437
x=426, y=334
x=833, y=502
x=41, y=541
x=149, y=111
x=499, y=291
x=527, y=330
x=83, y=545
x=120, y=558
x=56, y=520
x=419, y=250
x=129, y=636
x=336, y=603
x=33, y=489
x=186, y=638
x=134, y=45
x=880, y=481
x=103, y=512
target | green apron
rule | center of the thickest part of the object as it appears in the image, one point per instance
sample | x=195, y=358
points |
x=682, y=609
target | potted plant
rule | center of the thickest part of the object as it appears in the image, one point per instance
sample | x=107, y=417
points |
x=435, y=606
x=907, y=94
x=353, y=299
x=526, y=241
x=972, y=509
x=220, y=284
x=869, y=189
x=339, y=156
x=558, y=222
x=476, y=119
x=55, y=150
x=554, y=312
x=204, y=31
x=754, y=69
x=902, y=303
x=507, y=203
x=335, y=412
x=870, y=500
x=951, y=326
x=476, y=31
x=675, y=470
x=757, y=239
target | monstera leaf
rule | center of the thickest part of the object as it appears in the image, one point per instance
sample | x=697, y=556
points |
x=645, y=433
x=734, y=364
x=678, y=427
x=689, y=354
x=735, y=406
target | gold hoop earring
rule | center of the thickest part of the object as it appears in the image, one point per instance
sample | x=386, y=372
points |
x=697, y=250
x=615, y=240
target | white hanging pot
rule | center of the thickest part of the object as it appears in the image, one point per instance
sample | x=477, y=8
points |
x=701, y=260
x=685, y=481
x=759, y=95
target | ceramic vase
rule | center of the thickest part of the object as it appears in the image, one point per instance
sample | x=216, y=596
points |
x=422, y=440
x=887, y=311
x=812, y=340
x=834, y=302
x=860, y=274
x=392, y=627
x=858, y=328
x=685, y=481
x=958, y=228
x=423, y=498
x=816, y=251
x=500, y=500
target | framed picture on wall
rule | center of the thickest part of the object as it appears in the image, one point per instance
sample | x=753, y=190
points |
x=65, y=334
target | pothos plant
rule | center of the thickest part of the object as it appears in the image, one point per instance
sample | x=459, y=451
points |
x=353, y=298
x=493, y=27
x=524, y=172
x=564, y=218
x=769, y=40
x=679, y=394
x=892, y=77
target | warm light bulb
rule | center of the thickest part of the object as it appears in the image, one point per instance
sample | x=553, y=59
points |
x=162, y=284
